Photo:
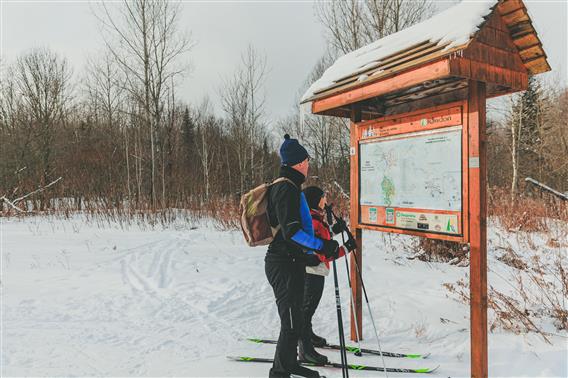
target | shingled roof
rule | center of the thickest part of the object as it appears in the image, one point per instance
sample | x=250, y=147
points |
x=447, y=33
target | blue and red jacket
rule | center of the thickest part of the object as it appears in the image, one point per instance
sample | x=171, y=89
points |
x=288, y=208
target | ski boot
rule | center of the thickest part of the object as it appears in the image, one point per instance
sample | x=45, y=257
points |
x=306, y=352
x=300, y=371
x=277, y=374
x=318, y=341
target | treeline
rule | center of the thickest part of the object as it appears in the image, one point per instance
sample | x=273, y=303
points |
x=530, y=139
x=117, y=135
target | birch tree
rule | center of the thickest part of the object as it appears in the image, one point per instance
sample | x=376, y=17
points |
x=144, y=38
x=243, y=102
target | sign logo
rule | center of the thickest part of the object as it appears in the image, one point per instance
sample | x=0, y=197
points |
x=390, y=215
x=373, y=214
x=369, y=132
x=450, y=227
x=423, y=122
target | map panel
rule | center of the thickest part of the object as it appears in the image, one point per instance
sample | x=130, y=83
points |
x=421, y=171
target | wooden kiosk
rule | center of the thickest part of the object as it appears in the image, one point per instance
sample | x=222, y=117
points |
x=416, y=101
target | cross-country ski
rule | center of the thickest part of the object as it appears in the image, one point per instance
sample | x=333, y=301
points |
x=338, y=365
x=353, y=349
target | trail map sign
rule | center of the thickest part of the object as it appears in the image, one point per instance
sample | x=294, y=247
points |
x=404, y=177
x=411, y=176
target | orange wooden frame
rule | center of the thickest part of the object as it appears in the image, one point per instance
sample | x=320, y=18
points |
x=438, y=117
x=474, y=203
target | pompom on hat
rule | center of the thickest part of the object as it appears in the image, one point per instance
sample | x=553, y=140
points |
x=292, y=152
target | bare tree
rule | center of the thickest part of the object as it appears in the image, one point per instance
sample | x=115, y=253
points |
x=103, y=88
x=243, y=102
x=10, y=101
x=143, y=37
x=327, y=138
x=43, y=81
x=351, y=24
x=206, y=123
x=106, y=100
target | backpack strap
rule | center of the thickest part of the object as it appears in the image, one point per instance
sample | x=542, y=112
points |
x=282, y=179
x=276, y=229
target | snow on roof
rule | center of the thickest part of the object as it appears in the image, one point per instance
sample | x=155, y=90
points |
x=455, y=26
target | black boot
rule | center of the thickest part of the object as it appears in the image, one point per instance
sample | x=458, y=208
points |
x=277, y=374
x=306, y=352
x=318, y=341
x=304, y=372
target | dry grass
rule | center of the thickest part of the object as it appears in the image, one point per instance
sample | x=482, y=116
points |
x=537, y=291
x=431, y=250
x=524, y=213
x=222, y=211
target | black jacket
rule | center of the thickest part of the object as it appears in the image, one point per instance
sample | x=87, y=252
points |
x=284, y=210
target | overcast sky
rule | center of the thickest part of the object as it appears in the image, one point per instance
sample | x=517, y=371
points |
x=287, y=32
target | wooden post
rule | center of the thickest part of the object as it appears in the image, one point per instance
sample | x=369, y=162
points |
x=477, y=228
x=354, y=220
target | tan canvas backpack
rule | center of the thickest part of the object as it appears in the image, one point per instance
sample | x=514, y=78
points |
x=254, y=215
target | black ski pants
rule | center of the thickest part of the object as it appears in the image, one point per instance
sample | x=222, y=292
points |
x=287, y=281
x=313, y=289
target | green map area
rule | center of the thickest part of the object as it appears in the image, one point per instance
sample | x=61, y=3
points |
x=387, y=187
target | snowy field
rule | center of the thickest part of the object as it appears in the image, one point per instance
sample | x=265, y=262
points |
x=85, y=300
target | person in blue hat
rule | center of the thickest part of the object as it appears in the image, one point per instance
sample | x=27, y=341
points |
x=294, y=247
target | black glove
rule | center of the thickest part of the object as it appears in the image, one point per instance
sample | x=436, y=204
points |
x=330, y=249
x=312, y=260
x=338, y=227
x=350, y=245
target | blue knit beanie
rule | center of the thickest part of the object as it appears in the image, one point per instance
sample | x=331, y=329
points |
x=292, y=152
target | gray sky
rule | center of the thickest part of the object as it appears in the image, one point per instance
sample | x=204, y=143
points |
x=287, y=32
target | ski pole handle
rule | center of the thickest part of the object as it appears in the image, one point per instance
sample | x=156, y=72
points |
x=340, y=219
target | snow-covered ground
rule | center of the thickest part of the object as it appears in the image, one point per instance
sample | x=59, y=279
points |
x=83, y=300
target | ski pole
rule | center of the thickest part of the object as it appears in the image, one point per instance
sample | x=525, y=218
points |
x=343, y=351
x=344, y=369
x=350, y=235
x=359, y=353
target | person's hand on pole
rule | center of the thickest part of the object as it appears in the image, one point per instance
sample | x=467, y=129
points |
x=339, y=227
x=350, y=245
x=330, y=249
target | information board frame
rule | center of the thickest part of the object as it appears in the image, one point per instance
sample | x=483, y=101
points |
x=435, y=119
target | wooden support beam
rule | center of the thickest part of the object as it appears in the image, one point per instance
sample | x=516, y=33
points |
x=408, y=79
x=354, y=221
x=474, y=70
x=429, y=102
x=477, y=171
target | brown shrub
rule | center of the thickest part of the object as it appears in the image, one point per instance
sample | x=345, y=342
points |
x=525, y=213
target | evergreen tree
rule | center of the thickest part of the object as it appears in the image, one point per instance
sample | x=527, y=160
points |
x=526, y=125
x=188, y=134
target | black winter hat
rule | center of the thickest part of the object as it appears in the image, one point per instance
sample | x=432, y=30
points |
x=313, y=196
x=292, y=152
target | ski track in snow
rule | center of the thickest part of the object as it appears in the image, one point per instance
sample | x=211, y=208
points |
x=79, y=300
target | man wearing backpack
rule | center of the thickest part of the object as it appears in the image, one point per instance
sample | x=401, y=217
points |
x=291, y=250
